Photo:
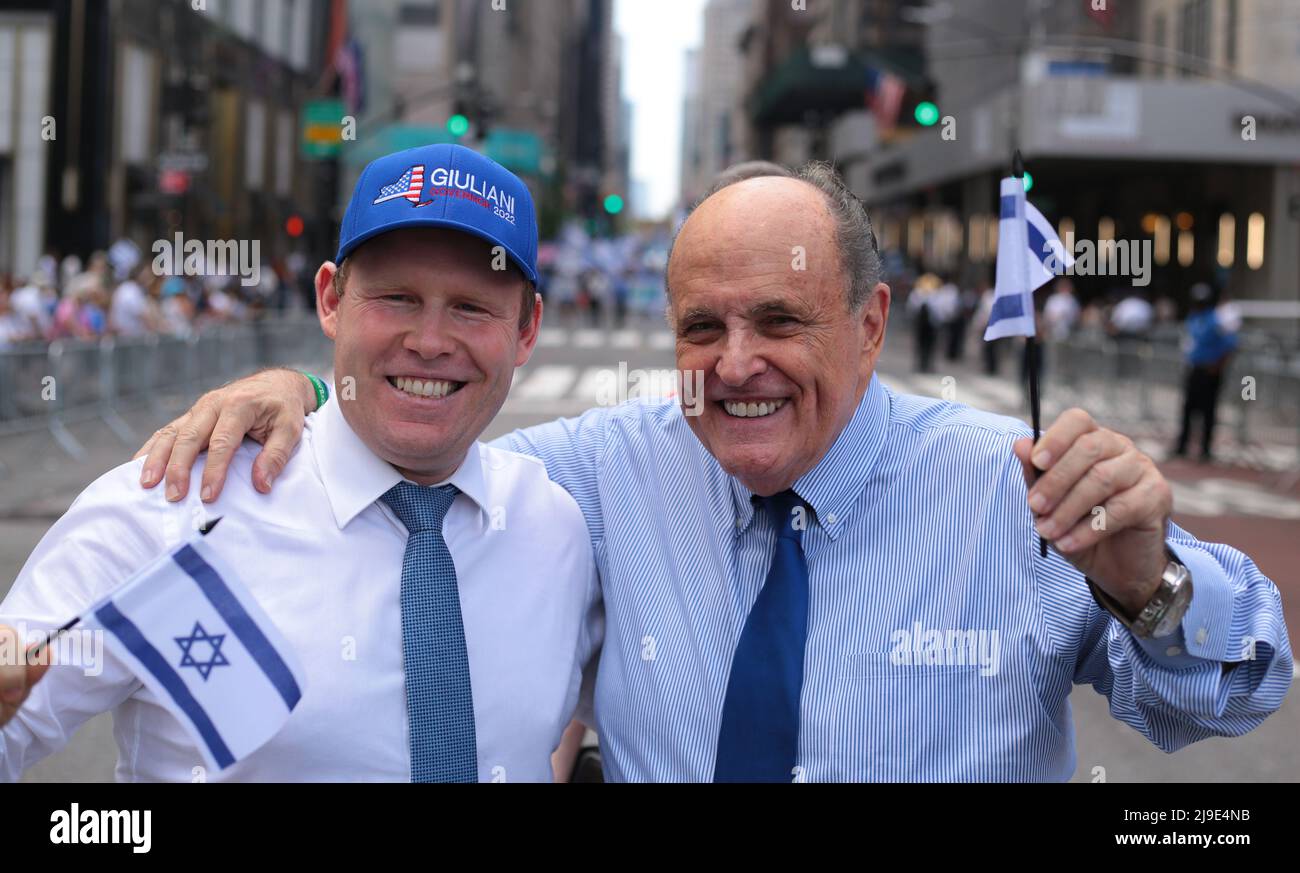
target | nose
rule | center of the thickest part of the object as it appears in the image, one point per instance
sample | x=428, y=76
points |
x=431, y=333
x=739, y=361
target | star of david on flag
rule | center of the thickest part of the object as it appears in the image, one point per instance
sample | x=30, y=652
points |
x=193, y=634
x=214, y=658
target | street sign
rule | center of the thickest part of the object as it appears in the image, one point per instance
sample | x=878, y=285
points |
x=182, y=162
x=516, y=150
x=322, y=128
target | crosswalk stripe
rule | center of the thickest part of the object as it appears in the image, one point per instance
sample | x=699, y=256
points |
x=547, y=382
x=626, y=339
x=589, y=338
x=552, y=337
x=662, y=339
x=590, y=383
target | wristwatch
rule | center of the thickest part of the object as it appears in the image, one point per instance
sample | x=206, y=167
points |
x=1163, y=612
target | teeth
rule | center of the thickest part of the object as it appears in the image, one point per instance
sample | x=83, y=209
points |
x=752, y=410
x=420, y=388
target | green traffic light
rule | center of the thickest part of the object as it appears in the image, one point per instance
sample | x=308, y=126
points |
x=926, y=113
x=1029, y=182
x=457, y=125
x=613, y=204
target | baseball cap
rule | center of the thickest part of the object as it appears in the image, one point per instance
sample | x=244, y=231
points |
x=443, y=185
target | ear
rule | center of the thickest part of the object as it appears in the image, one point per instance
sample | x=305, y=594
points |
x=875, y=317
x=327, y=301
x=528, y=335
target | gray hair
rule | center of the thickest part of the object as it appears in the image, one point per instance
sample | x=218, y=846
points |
x=854, y=238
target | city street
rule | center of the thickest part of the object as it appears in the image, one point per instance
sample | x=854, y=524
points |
x=1243, y=507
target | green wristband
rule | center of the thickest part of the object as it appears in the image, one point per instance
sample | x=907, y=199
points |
x=322, y=390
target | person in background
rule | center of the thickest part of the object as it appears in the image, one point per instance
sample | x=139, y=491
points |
x=79, y=315
x=1211, y=338
x=992, y=349
x=1130, y=324
x=14, y=328
x=1061, y=311
x=177, y=307
x=952, y=317
x=130, y=314
x=926, y=319
x=35, y=302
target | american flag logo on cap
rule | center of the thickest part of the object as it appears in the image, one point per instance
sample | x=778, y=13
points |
x=409, y=186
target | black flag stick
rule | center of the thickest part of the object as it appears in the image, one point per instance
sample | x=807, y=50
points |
x=58, y=632
x=1031, y=356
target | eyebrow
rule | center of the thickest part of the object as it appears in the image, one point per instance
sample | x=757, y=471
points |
x=772, y=306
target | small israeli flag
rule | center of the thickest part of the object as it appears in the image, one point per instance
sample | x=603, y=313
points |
x=1029, y=254
x=192, y=633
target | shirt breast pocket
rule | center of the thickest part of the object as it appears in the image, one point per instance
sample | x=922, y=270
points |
x=912, y=721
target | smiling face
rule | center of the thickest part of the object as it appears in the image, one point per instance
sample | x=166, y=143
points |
x=759, y=304
x=431, y=334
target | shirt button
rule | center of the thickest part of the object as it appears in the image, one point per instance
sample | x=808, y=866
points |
x=737, y=522
x=1201, y=635
x=830, y=518
x=1173, y=651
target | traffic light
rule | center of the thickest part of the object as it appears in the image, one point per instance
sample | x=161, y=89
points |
x=613, y=204
x=926, y=113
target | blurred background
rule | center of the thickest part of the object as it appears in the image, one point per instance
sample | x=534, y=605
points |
x=173, y=172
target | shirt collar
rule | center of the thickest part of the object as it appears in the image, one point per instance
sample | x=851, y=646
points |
x=833, y=486
x=355, y=477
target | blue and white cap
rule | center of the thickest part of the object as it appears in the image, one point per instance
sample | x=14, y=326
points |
x=444, y=185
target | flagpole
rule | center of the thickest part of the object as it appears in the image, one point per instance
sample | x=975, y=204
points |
x=58, y=632
x=1031, y=342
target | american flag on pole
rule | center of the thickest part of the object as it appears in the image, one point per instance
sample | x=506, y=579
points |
x=409, y=186
x=886, y=99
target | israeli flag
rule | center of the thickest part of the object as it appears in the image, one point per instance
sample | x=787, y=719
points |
x=1029, y=254
x=192, y=633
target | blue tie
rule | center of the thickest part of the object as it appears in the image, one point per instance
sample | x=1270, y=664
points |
x=439, y=699
x=759, y=737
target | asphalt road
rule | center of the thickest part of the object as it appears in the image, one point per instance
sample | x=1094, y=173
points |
x=572, y=366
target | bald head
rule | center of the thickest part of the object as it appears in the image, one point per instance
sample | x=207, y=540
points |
x=757, y=211
x=780, y=228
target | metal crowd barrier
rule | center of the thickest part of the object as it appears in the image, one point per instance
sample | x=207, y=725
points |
x=51, y=386
x=1142, y=379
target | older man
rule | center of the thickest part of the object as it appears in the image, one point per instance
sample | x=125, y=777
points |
x=819, y=579
x=389, y=553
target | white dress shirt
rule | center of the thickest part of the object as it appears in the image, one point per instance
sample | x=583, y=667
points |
x=323, y=556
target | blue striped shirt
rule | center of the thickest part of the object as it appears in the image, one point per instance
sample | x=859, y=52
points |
x=941, y=646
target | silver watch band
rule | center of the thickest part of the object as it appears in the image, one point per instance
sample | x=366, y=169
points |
x=1163, y=612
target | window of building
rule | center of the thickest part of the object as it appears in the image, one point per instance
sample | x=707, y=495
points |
x=1230, y=35
x=255, y=145
x=426, y=14
x=284, y=143
x=1194, y=38
x=135, y=131
x=1255, y=241
x=1158, y=37
x=1227, y=239
x=1160, y=232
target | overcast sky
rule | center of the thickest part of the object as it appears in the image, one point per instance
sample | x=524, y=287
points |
x=656, y=35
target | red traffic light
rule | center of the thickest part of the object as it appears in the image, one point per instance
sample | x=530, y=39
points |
x=293, y=226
